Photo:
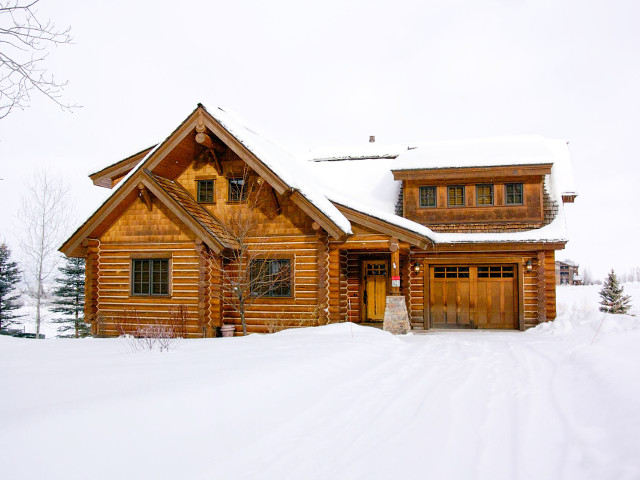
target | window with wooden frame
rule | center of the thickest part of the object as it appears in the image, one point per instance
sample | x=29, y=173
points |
x=150, y=276
x=206, y=190
x=428, y=197
x=484, y=194
x=513, y=194
x=237, y=190
x=271, y=277
x=455, y=195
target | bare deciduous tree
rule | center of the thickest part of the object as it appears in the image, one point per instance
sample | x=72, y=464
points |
x=24, y=41
x=45, y=215
x=249, y=271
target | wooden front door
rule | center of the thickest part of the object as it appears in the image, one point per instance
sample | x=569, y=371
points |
x=375, y=280
x=473, y=296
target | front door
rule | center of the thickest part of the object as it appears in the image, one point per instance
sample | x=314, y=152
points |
x=375, y=289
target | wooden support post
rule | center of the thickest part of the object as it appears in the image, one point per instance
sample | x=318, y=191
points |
x=323, y=276
x=394, y=247
x=542, y=288
x=91, y=286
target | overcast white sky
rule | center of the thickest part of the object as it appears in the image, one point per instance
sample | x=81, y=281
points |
x=310, y=74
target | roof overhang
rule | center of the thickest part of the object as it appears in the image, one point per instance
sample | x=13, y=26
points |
x=110, y=176
x=474, y=173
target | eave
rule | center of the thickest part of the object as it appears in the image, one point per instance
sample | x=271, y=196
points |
x=387, y=228
x=109, y=176
x=508, y=172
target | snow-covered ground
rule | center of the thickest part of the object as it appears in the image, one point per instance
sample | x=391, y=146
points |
x=334, y=402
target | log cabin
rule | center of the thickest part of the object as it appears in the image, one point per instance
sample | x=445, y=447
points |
x=452, y=235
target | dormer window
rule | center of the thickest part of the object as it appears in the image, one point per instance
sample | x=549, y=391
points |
x=455, y=194
x=484, y=194
x=428, y=198
x=513, y=194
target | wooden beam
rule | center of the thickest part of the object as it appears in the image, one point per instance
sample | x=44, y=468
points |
x=277, y=202
x=144, y=196
x=216, y=162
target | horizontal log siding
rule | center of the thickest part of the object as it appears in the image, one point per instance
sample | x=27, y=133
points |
x=116, y=304
x=300, y=310
x=353, y=287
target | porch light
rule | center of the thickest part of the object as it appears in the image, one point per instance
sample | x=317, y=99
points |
x=529, y=265
x=416, y=267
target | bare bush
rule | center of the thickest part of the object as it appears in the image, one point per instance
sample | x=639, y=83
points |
x=162, y=335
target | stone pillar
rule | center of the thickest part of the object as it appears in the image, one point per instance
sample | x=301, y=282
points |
x=396, y=317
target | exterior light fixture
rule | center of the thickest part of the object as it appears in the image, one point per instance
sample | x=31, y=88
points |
x=416, y=267
x=529, y=265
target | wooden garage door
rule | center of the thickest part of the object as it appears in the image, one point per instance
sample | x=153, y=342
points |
x=482, y=296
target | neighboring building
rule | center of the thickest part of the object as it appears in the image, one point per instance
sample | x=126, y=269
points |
x=567, y=273
x=446, y=234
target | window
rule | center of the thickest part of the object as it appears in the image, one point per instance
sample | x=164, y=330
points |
x=484, y=194
x=237, y=190
x=428, y=197
x=451, y=272
x=205, y=191
x=271, y=277
x=456, y=195
x=513, y=194
x=496, y=272
x=150, y=277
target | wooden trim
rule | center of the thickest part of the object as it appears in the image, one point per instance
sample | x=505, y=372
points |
x=426, y=302
x=310, y=209
x=474, y=174
x=155, y=254
x=384, y=227
x=520, y=274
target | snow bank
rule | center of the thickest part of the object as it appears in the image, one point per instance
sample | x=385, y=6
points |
x=340, y=401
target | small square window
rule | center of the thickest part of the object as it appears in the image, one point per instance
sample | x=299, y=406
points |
x=150, y=277
x=206, y=191
x=428, y=197
x=456, y=195
x=513, y=194
x=271, y=277
x=484, y=194
x=237, y=190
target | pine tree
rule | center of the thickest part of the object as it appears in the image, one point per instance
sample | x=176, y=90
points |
x=9, y=278
x=70, y=300
x=613, y=300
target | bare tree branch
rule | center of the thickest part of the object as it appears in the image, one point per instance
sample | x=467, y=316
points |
x=24, y=41
x=251, y=270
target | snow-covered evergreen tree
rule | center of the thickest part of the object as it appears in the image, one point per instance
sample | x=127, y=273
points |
x=613, y=298
x=69, y=301
x=9, y=279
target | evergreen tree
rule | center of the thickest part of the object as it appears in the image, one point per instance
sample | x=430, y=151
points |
x=613, y=300
x=9, y=278
x=69, y=301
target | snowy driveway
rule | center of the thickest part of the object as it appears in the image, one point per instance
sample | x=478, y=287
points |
x=336, y=402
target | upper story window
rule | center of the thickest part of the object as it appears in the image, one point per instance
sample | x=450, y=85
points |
x=271, y=277
x=206, y=191
x=455, y=194
x=150, y=276
x=428, y=197
x=513, y=194
x=237, y=190
x=484, y=194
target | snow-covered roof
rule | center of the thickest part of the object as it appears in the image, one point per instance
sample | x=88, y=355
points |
x=356, y=152
x=291, y=170
x=368, y=186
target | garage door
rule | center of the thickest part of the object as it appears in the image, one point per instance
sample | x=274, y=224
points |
x=473, y=296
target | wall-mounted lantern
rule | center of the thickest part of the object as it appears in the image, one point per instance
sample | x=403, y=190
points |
x=416, y=267
x=529, y=265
